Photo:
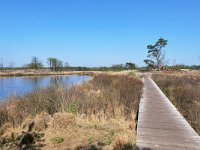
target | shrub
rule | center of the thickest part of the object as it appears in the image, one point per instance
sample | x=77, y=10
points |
x=72, y=108
x=42, y=121
x=90, y=140
x=63, y=120
x=57, y=140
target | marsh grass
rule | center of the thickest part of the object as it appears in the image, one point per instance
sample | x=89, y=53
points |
x=101, y=110
x=184, y=93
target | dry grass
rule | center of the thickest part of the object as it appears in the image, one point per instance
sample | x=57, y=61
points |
x=44, y=72
x=40, y=72
x=97, y=114
x=183, y=91
x=85, y=132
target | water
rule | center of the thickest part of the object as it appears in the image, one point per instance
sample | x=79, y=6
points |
x=21, y=85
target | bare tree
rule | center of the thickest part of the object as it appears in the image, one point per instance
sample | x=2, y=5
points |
x=1, y=64
x=11, y=65
x=35, y=63
x=66, y=65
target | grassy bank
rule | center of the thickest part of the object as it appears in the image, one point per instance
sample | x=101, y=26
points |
x=45, y=72
x=184, y=93
x=42, y=72
x=97, y=114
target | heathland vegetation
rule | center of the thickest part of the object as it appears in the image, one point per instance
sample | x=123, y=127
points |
x=184, y=92
x=98, y=114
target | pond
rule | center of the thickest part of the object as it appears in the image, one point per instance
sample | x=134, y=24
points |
x=21, y=85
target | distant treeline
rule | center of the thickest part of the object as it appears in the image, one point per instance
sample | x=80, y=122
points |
x=119, y=67
x=182, y=66
x=179, y=67
x=55, y=64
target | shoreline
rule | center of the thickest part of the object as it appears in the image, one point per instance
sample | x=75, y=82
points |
x=15, y=73
x=46, y=72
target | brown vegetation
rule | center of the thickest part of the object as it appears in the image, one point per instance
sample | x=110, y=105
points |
x=184, y=93
x=42, y=72
x=97, y=114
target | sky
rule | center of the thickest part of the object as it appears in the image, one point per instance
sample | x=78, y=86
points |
x=98, y=32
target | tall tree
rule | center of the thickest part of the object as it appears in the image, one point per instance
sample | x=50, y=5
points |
x=66, y=65
x=35, y=63
x=49, y=61
x=156, y=54
x=55, y=64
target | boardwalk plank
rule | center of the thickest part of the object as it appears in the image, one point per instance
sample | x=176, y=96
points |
x=160, y=125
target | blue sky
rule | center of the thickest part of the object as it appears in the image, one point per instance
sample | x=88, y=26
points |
x=98, y=32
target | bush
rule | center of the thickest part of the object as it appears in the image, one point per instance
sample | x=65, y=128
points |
x=57, y=140
x=72, y=108
x=63, y=120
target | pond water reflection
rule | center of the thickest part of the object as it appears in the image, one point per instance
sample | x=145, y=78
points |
x=21, y=85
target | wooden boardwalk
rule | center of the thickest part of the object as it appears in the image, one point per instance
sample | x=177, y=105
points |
x=160, y=125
